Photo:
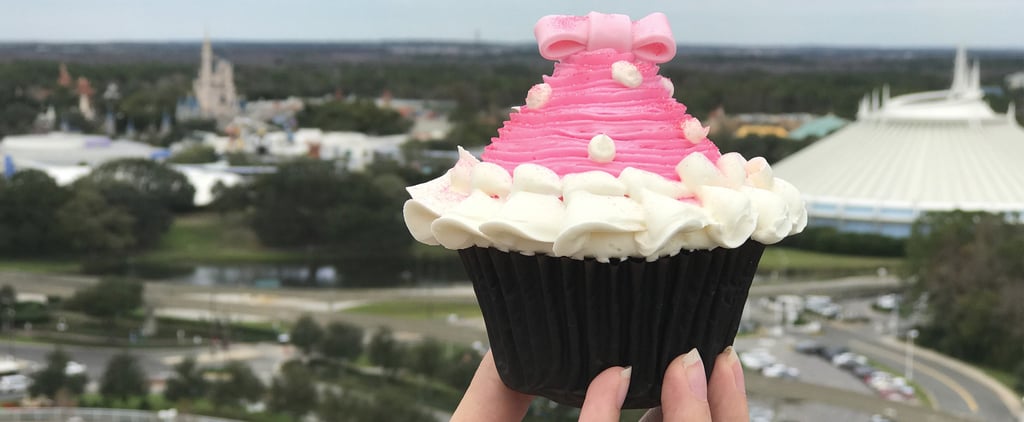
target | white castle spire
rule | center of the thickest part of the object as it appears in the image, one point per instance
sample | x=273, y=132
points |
x=963, y=101
x=975, y=79
x=960, y=77
x=214, y=87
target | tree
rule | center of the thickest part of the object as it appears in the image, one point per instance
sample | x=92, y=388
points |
x=150, y=218
x=124, y=377
x=187, y=383
x=427, y=357
x=459, y=370
x=53, y=379
x=8, y=297
x=28, y=214
x=355, y=116
x=342, y=341
x=383, y=406
x=158, y=182
x=93, y=227
x=970, y=266
x=236, y=383
x=384, y=351
x=306, y=333
x=109, y=298
x=292, y=391
x=291, y=205
x=194, y=154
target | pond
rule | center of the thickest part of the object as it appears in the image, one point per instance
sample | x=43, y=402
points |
x=352, y=273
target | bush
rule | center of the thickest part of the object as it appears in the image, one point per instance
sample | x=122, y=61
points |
x=830, y=240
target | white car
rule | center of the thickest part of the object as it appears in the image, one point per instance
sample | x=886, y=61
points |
x=756, y=359
x=74, y=368
x=778, y=370
x=16, y=383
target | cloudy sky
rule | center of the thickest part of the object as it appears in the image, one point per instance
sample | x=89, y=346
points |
x=869, y=23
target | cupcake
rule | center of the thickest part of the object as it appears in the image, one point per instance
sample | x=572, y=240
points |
x=602, y=227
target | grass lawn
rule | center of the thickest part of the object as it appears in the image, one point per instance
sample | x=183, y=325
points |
x=1004, y=377
x=39, y=265
x=419, y=309
x=211, y=238
x=779, y=258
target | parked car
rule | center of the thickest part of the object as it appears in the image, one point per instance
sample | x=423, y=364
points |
x=16, y=383
x=778, y=370
x=756, y=359
x=809, y=347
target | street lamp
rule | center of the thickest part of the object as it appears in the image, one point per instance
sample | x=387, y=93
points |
x=909, y=363
x=11, y=314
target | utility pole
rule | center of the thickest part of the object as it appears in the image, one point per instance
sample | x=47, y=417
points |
x=909, y=360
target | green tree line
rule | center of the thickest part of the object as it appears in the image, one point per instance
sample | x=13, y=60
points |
x=969, y=266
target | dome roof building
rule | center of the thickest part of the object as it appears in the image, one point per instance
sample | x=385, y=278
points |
x=907, y=155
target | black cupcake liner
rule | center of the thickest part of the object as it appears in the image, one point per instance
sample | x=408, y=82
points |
x=555, y=323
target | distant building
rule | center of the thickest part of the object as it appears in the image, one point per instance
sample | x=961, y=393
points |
x=761, y=131
x=903, y=156
x=85, y=91
x=429, y=117
x=818, y=128
x=1015, y=80
x=213, y=90
x=66, y=157
x=358, y=150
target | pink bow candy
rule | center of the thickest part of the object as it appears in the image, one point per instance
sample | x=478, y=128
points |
x=650, y=38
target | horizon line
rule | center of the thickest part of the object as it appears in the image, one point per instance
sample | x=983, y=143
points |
x=469, y=42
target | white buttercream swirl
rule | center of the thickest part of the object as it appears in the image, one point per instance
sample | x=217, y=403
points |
x=595, y=214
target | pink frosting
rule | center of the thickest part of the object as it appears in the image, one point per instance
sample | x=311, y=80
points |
x=644, y=122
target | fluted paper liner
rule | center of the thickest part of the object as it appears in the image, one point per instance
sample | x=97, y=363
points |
x=555, y=323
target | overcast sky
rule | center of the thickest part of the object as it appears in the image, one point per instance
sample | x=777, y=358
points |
x=869, y=23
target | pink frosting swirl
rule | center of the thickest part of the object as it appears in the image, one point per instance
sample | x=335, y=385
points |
x=644, y=122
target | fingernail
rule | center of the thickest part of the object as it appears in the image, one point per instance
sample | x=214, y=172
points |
x=737, y=369
x=624, y=377
x=694, y=368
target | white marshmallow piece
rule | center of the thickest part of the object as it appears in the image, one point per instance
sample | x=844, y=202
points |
x=693, y=130
x=492, y=179
x=601, y=149
x=732, y=167
x=538, y=96
x=667, y=83
x=529, y=177
x=759, y=173
x=627, y=74
x=696, y=170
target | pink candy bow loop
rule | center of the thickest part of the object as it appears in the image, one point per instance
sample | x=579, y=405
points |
x=650, y=38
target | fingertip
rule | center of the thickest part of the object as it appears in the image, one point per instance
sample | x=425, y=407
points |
x=728, y=394
x=684, y=389
x=605, y=395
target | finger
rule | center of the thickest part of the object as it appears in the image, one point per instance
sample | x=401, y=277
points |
x=727, y=391
x=488, y=399
x=605, y=395
x=684, y=392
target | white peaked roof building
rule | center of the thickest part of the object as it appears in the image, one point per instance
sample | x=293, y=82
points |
x=67, y=157
x=906, y=155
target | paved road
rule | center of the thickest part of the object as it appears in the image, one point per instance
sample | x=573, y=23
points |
x=285, y=304
x=950, y=389
x=157, y=362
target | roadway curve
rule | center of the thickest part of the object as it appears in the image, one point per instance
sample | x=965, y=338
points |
x=950, y=388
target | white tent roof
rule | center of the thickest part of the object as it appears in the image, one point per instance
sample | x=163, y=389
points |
x=934, y=151
x=918, y=165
